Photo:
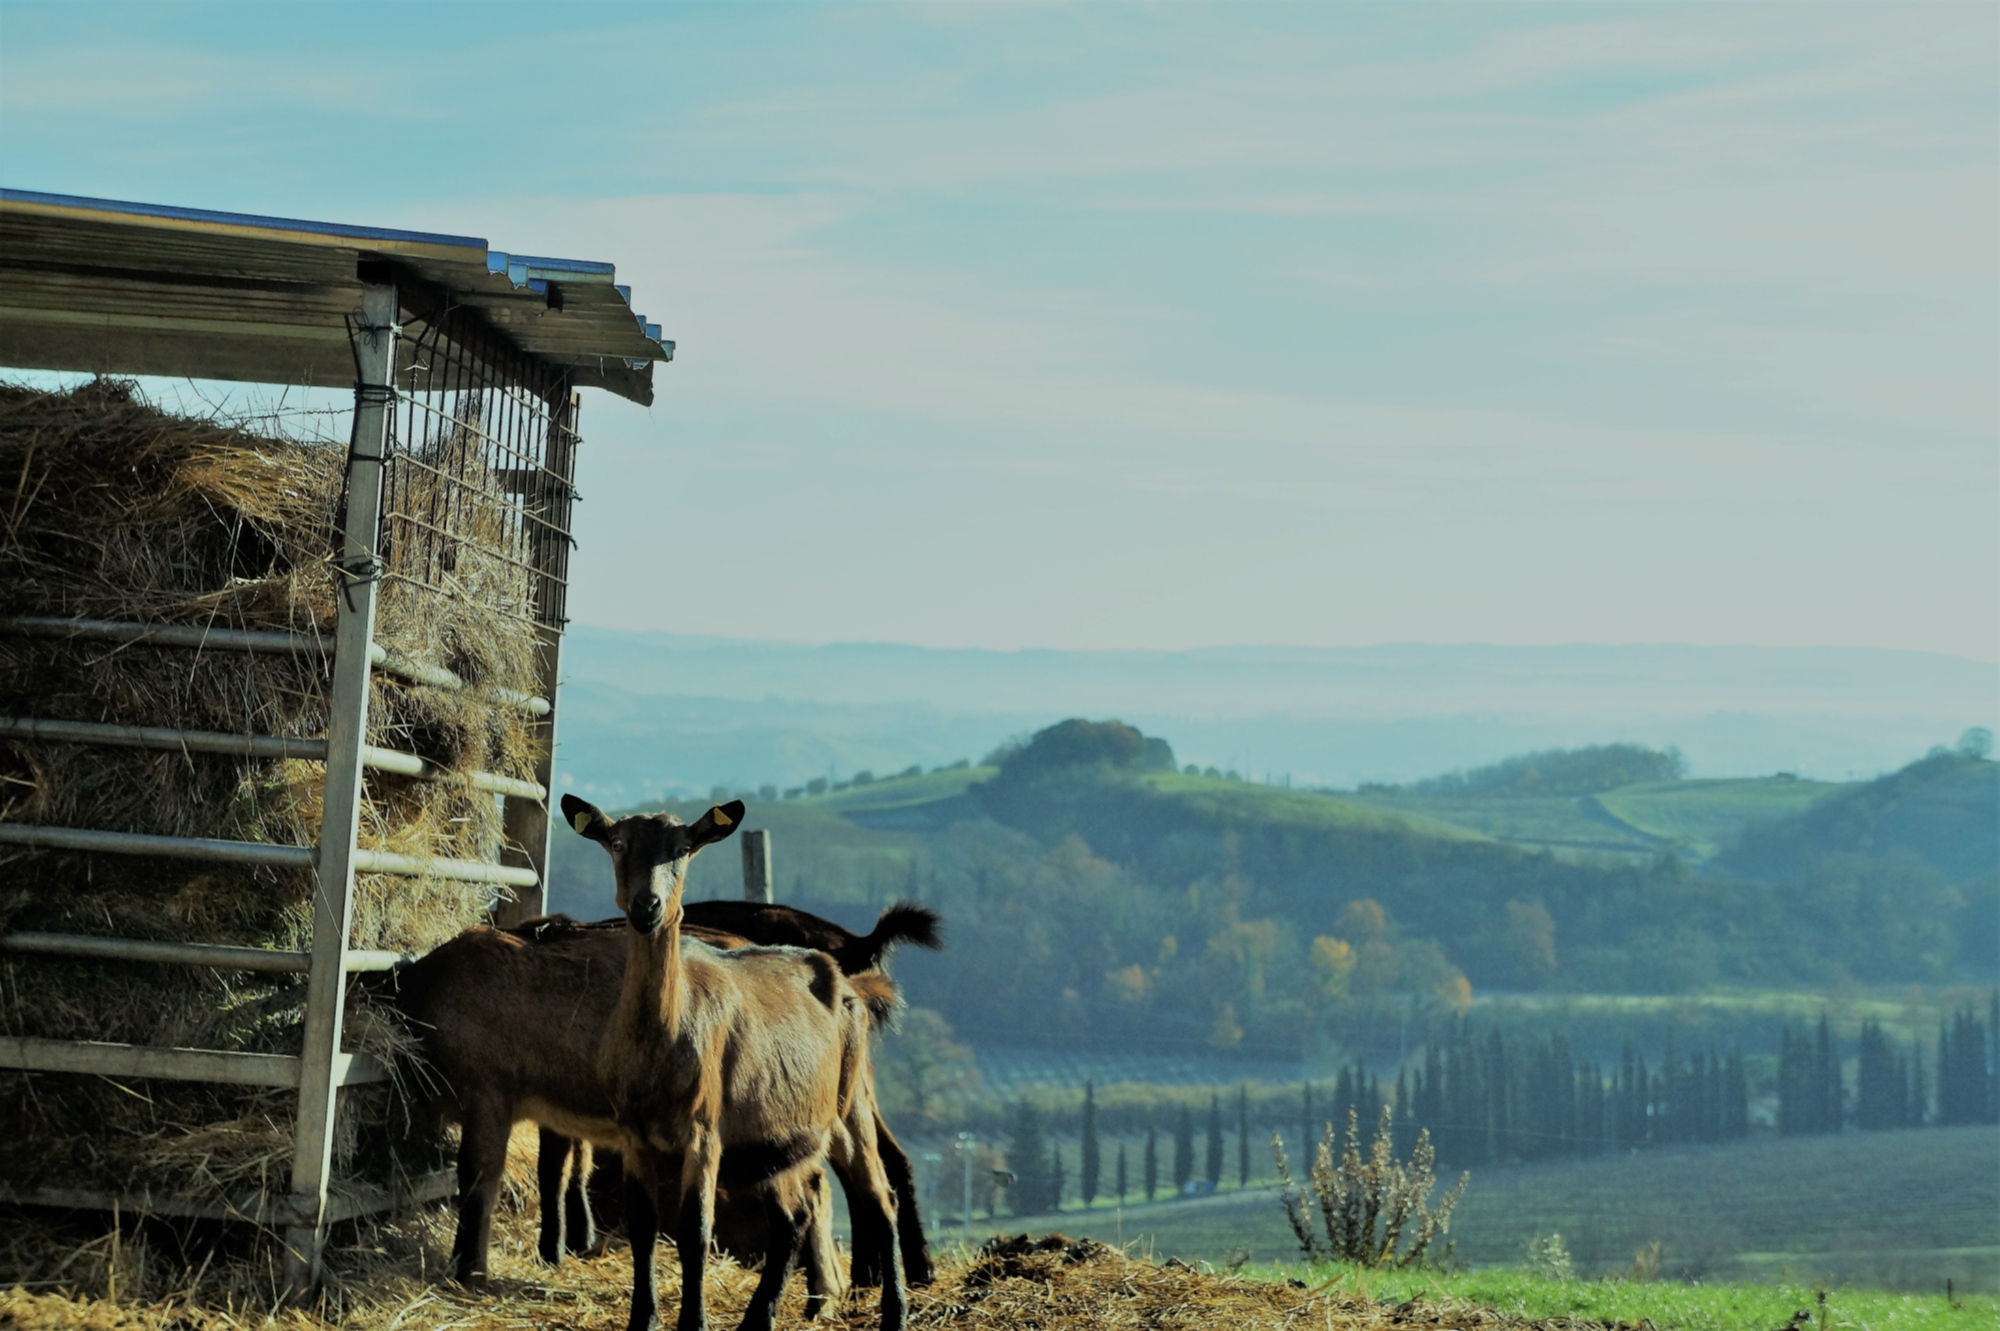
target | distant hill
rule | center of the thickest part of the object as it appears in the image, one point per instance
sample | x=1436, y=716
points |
x=1943, y=810
x=670, y=713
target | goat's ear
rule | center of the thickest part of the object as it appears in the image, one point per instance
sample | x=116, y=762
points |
x=717, y=823
x=585, y=817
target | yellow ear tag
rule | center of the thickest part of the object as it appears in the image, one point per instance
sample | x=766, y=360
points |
x=722, y=819
x=582, y=824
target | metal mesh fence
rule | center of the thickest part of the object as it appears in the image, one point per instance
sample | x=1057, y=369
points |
x=480, y=469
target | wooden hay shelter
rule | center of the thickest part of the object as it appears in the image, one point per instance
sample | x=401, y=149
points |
x=299, y=698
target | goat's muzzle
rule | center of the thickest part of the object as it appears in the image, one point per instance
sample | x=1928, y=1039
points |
x=646, y=914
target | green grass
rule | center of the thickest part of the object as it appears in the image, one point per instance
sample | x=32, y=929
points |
x=1669, y=1306
x=1555, y=822
x=902, y=792
x=1280, y=806
x=1700, y=816
x=1696, y=817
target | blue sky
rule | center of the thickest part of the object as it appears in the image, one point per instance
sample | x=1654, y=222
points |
x=1120, y=326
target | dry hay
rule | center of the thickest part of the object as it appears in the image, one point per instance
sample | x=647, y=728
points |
x=386, y=1277
x=111, y=509
x=389, y=1282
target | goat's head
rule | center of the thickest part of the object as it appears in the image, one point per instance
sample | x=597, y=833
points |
x=650, y=853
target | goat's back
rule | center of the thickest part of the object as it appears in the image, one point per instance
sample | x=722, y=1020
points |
x=517, y=1016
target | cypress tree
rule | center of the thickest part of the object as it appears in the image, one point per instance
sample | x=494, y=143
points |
x=1092, y=1153
x=1826, y=1075
x=1029, y=1155
x=1917, y=1113
x=1152, y=1161
x=1213, y=1155
x=1992, y=1062
x=1881, y=1085
x=1242, y=1136
x=1792, y=1117
x=1736, y=1091
x=1121, y=1173
x=1183, y=1149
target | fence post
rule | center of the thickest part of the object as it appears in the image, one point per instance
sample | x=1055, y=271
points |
x=757, y=867
x=360, y=570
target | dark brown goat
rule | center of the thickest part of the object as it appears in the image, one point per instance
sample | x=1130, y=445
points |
x=749, y=1060
x=563, y=1173
x=474, y=999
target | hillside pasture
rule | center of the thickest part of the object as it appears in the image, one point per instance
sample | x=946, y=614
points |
x=1701, y=817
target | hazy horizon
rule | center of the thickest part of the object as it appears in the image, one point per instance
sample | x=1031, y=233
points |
x=1105, y=326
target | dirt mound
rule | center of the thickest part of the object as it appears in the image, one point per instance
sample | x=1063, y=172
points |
x=1022, y=1257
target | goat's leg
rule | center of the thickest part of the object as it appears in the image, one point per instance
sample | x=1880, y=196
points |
x=642, y=1224
x=917, y=1267
x=579, y=1225
x=552, y=1168
x=856, y=1152
x=482, y=1166
x=696, y=1222
x=784, y=1219
x=871, y=1241
x=824, y=1287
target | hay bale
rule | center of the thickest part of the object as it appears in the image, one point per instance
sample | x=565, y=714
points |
x=112, y=509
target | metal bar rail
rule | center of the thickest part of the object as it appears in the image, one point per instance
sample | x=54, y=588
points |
x=259, y=853
x=257, y=1208
x=222, y=956
x=255, y=746
x=104, y=1059
x=251, y=640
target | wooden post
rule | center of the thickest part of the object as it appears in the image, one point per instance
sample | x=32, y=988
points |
x=526, y=820
x=757, y=867
x=347, y=732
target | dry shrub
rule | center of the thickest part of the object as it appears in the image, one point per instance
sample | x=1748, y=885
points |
x=112, y=509
x=1373, y=1210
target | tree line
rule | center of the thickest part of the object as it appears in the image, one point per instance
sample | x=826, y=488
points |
x=1891, y=1086
x=1488, y=1099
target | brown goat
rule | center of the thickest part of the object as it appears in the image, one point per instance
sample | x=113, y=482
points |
x=510, y=1021
x=565, y=1166
x=744, y=1066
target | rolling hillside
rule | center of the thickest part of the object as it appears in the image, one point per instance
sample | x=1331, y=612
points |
x=1129, y=903
x=1943, y=811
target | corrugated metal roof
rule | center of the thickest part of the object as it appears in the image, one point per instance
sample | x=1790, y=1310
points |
x=134, y=288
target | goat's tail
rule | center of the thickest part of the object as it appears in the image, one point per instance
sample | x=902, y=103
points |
x=880, y=996
x=902, y=922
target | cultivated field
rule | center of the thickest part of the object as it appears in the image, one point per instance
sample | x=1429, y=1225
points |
x=1896, y=1210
